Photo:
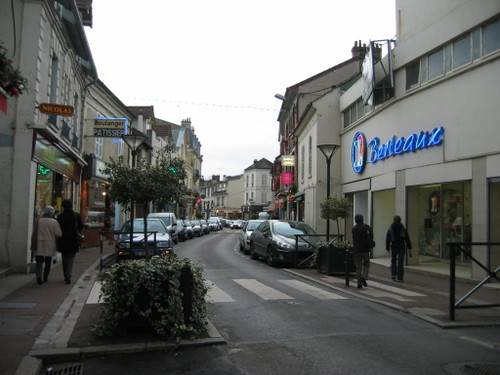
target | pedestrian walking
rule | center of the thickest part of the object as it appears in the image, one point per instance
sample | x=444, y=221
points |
x=362, y=238
x=46, y=231
x=69, y=244
x=397, y=241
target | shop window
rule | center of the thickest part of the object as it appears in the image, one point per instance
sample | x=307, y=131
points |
x=444, y=215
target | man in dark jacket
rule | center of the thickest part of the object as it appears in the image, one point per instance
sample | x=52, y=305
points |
x=362, y=238
x=397, y=240
x=68, y=244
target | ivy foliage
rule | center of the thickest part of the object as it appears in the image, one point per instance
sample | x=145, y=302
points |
x=335, y=208
x=160, y=181
x=151, y=291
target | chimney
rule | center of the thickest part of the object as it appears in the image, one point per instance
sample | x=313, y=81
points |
x=359, y=50
x=186, y=123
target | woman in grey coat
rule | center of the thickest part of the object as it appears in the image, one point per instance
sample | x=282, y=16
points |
x=44, y=242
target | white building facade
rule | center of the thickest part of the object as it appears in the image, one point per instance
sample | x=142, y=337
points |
x=430, y=152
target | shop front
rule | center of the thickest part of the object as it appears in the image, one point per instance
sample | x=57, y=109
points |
x=57, y=174
x=442, y=214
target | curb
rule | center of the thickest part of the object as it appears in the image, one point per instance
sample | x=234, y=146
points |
x=51, y=345
x=424, y=317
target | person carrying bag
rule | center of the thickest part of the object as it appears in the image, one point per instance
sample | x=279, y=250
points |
x=397, y=241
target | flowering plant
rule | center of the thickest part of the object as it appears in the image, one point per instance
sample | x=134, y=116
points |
x=11, y=79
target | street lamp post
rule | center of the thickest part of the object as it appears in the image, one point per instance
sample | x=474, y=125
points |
x=328, y=150
x=133, y=141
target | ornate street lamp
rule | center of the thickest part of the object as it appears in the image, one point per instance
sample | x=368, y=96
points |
x=328, y=150
x=134, y=141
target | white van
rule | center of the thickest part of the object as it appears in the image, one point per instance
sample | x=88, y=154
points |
x=170, y=221
x=264, y=216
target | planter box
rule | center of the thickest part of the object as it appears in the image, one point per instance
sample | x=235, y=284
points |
x=332, y=260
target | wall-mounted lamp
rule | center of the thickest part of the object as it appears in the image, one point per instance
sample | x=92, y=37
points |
x=280, y=97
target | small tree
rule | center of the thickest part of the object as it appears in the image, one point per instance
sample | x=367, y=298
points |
x=160, y=182
x=335, y=208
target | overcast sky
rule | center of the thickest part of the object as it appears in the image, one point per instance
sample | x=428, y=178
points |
x=221, y=62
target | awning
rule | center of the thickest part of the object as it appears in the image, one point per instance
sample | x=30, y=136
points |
x=299, y=196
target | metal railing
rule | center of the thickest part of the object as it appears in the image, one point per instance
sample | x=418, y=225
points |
x=113, y=237
x=457, y=248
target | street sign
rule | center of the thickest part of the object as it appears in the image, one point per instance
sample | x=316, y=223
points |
x=56, y=109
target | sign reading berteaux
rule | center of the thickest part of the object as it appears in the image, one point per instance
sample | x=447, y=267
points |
x=56, y=109
x=109, y=127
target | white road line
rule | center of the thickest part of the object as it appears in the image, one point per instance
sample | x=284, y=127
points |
x=94, y=293
x=311, y=290
x=263, y=291
x=216, y=294
x=378, y=293
x=393, y=289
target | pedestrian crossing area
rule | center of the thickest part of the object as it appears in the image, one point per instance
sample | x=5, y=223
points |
x=283, y=291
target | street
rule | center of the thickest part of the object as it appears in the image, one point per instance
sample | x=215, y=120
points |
x=275, y=323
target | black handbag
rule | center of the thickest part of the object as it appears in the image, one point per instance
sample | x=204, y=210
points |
x=79, y=236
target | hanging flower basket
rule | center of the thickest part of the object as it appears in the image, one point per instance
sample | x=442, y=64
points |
x=11, y=80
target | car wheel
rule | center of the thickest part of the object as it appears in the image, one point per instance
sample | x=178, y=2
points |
x=269, y=259
x=252, y=252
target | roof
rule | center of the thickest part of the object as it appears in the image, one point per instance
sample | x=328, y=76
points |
x=260, y=164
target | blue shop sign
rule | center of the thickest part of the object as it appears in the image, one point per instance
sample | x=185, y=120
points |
x=374, y=150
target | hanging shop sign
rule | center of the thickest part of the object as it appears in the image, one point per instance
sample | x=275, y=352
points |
x=287, y=178
x=56, y=109
x=374, y=150
x=109, y=127
x=288, y=160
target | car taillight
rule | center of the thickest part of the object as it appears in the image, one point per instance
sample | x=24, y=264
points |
x=167, y=252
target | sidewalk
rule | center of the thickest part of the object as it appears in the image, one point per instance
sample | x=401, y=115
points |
x=53, y=322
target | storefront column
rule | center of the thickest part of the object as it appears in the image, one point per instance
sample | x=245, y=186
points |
x=479, y=214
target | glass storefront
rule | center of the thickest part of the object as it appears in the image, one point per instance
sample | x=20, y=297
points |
x=51, y=188
x=443, y=215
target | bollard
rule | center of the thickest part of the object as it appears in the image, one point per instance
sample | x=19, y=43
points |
x=347, y=267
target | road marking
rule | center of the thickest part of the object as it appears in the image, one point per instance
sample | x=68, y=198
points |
x=94, y=293
x=394, y=289
x=263, y=291
x=311, y=290
x=379, y=293
x=216, y=294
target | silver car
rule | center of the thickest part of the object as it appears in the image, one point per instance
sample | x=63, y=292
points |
x=245, y=233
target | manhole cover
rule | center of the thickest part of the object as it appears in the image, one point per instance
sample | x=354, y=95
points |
x=484, y=368
x=480, y=369
x=64, y=369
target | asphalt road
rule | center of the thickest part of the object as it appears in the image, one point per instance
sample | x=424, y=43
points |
x=277, y=324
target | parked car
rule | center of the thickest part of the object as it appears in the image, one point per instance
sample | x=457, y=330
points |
x=158, y=243
x=183, y=230
x=275, y=241
x=204, y=225
x=189, y=229
x=219, y=222
x=213, y=225
x=170, y=222
x=197, y=228
x=245, y=233
x=237, y=224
